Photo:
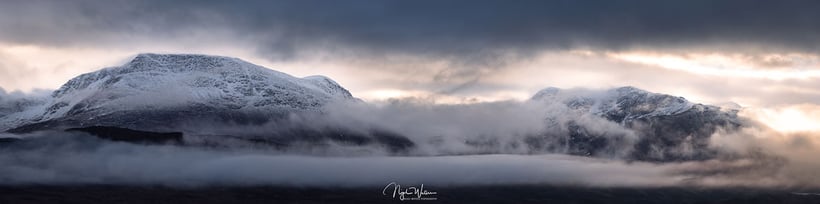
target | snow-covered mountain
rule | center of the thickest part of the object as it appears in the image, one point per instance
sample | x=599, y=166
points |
x=669, y=127
x=160, y=89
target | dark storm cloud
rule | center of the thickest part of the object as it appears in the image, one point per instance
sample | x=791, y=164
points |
x=466, y=30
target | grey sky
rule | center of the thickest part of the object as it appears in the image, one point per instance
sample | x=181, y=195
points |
x=461, y=28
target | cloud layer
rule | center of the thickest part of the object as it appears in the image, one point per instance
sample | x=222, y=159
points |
x=84, y=160
x=473, y=30
x=58, y=158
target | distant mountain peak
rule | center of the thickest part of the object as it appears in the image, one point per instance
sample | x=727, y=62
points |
x=628, y=102
x=630, y=89
x=669, y=127
x=547, y=92
x=555, y=91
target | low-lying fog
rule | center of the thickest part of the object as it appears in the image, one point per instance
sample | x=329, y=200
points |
x=760, y=157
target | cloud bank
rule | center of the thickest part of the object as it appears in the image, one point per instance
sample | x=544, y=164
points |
x=755, y=156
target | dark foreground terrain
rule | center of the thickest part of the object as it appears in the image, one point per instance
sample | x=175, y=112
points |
x=492, y=194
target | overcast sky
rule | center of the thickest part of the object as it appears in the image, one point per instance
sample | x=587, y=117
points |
x=755, y=53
